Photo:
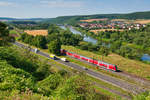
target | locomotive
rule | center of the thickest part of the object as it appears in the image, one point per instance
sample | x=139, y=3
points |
x=90, y=60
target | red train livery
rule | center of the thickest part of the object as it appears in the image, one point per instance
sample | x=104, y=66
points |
x=95, y=62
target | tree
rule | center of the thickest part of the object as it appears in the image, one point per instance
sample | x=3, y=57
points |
x=84, y=45
x=139, y=40
x=68, y=38
x=54, y=47
x=114, y=36
x=129, y=52
x=104, y=50
x=115, y=46
x=4, y=35
x=53, y=29
x=125, y=51
x=23, y=36
x=40, y=41
x=28, y=39
x=52, y=37
x=92, y=47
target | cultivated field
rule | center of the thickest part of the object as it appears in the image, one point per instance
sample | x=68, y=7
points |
x=37, y=32
x=123, y=20
x=91, y=20
x=142, y=21
x=103, y=30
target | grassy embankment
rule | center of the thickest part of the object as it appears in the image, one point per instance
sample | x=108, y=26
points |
x=91, y=67
x=131, y=66
x=106, y=72
x=98, y=89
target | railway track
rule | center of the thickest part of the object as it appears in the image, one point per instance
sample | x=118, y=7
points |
x=114, y=81
x=139, y=80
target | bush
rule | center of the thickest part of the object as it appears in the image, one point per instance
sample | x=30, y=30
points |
x=76, y=88
x=48, y=85
x=143, y=96
x=62, y=72
x=16, y=95
x=14, y=79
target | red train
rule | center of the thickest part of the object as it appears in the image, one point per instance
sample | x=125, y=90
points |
x=95, y=62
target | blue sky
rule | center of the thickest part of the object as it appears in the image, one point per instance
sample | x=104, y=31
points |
x=54, y=8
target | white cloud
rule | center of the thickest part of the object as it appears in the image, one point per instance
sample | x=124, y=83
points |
x=3, y=3
x=61, y=3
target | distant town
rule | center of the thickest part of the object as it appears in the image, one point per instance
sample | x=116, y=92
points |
x=106, y=24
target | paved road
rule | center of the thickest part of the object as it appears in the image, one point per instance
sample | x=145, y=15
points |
x=119, y=83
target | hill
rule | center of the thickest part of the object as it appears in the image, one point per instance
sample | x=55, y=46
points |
x=22, y=19
x=76, y=18
x=73, y=19
x=6, y=19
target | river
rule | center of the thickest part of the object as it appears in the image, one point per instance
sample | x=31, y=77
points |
x=86, y=38
x=145, y=57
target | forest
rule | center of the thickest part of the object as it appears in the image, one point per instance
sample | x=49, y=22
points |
x=74, y=19
x=29, y=25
